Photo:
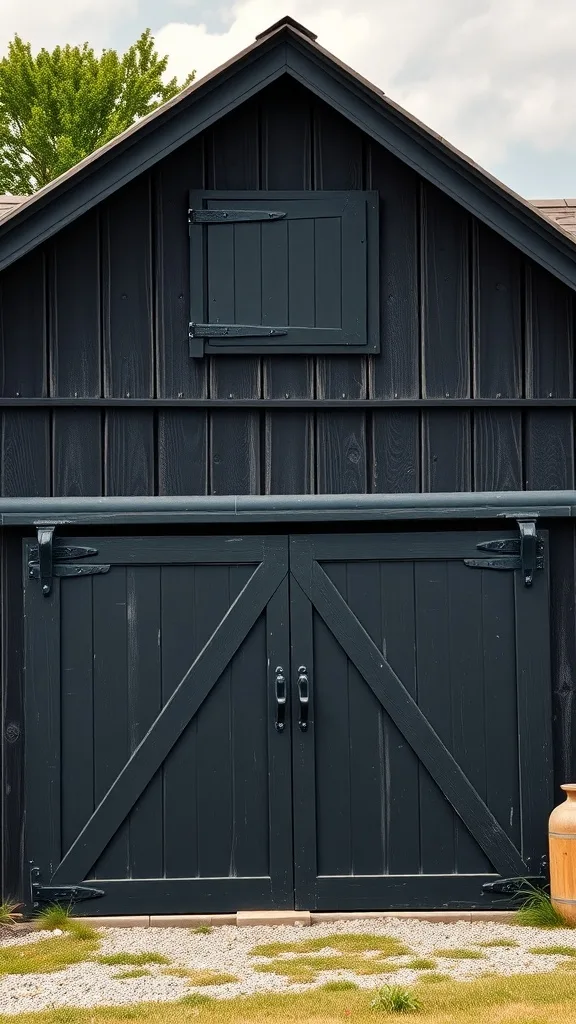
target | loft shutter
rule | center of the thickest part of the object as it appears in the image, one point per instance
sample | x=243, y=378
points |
x=283, y=272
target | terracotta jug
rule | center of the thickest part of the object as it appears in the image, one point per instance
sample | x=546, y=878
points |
x=562, y=842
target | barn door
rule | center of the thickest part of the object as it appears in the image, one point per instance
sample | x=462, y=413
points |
x=422, y=755
x=154, y=769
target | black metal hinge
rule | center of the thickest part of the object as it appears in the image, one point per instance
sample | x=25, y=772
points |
x=59, y=894
x=233, y=216
x=524, y=553
x=517, y=886
x=48, y=560
x=234, y=331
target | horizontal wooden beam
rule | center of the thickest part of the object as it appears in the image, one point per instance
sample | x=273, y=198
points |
x=320, y=404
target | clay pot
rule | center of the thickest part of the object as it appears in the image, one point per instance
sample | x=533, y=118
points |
x=562, y=843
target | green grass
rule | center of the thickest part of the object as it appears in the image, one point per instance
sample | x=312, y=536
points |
x=340, y=986
x=394, y=999
x=8, y=911
x=59, y=917
x=133, y=959
x=47, y=955
x=499, y=944
x=521, y=999
x=537, y=910
x=361, y=943
x=202, y=929
x=434, y=978
x=200, y=977
x=554, y=950
x=305, y=969
x=420, y=963
x=138, y=972
x=460, y=954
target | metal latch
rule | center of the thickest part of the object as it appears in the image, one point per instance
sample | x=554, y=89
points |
x=517, y=886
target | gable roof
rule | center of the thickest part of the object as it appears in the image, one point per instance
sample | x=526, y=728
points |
x=10, y=203
x=287, y=48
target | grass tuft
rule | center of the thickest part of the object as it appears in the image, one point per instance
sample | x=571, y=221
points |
x=433, y=978
x=59, y=917
x=553, y=950
x=305, y=969
x=133, y=959
x=383, y=944
x=537, y=910
x=138, y=972
x=47, y=955
x=394, y=999
x=459, y=954
x=339, y=986
x=202, y=929
x=420, y=963
x=194, y=999
x=499, y=944
x=200, y=977
x=8, y=912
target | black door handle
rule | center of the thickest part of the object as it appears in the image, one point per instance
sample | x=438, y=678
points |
x=303, y=697
x=280, y=693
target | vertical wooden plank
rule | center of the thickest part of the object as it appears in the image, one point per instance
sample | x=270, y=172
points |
x=395, y=452
x=75, y=356
x=398, y=644
x=42, y=723
x=144, y=705
x=182, y=436
x=534, y=712
x=110, y=709
x=233, y=159
x=23, y=328
x=497, y=453
x=25, y=453
x=549, y=434
x=12, y=716
x=563, y=648
x=303, y=744
x=445, y=325
x=287, y=164
x=129, y=452
x=181, y=618
x=432, y=604
x=340, y=438
x=127, y=337
x=77, y=728
x=279, y=754
x=446, y=451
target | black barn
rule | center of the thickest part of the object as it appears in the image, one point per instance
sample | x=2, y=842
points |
x=287, y=478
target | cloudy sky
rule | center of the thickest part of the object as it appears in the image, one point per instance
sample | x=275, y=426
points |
x=497, y=78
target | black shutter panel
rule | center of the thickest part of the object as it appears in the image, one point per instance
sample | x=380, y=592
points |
x=283, y=272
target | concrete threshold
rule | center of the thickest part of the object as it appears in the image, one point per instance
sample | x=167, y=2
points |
x=298, y=918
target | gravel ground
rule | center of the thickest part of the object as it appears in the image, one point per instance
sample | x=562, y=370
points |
x=228, y=949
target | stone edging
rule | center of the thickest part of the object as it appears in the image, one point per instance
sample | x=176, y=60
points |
x=304, y=918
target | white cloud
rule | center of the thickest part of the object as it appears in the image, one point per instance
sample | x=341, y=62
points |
x=486, y=74
x=50, y=24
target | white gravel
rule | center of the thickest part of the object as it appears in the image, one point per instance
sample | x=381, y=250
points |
x=228, y=949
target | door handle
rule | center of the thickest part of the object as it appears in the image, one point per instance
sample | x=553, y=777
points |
x=280, y=694
x=303, y=697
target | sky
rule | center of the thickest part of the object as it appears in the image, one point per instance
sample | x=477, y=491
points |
x=496, y=78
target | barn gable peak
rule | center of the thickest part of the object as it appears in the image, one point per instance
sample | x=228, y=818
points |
x=287, y=49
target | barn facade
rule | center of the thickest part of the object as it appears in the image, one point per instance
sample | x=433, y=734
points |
x=287, y=479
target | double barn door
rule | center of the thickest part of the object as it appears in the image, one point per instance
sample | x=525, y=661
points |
x=324, y=722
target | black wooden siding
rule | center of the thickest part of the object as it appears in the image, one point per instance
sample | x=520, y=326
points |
x=102, y=313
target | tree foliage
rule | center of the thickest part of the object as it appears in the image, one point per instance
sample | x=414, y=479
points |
x=56, y=108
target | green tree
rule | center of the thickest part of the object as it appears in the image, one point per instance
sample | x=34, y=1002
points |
x=56, y=108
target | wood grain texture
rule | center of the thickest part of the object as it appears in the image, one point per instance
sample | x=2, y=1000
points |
x=233, y=162
x=77, y=459
x=339, y=163
x=445, y=316
x=446, y=451
x=25, y=454
x=394, y=460
x=497, y=450
x=497, y=282
x=127, y=292
x=129, y=452
x=287, y=164
x=12, y=717
x=23, y=327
